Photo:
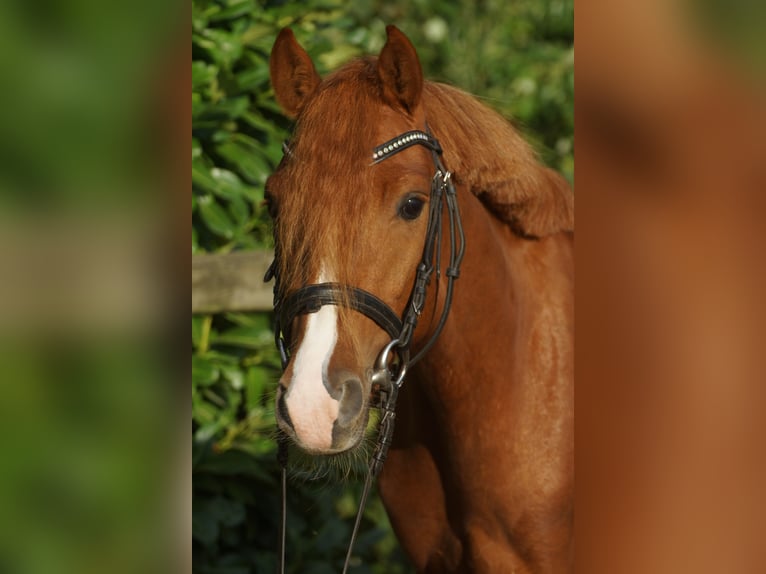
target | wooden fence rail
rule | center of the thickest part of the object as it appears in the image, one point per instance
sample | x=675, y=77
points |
x=231, y=282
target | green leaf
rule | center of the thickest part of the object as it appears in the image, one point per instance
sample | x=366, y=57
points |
x=267, y=102
x=227, y=184
x=367, y=540
x=245, y=156
x=204, y=372
x=257, y=380
x=257, y=121
x=202, y=178
x=228, y=512
x=216, y=218
x=204, y=524
x=230, y=108
x=254, y=76
x=202, y=74
x=331, y=535
x=223, y=47
x=247, y=337
x=235, y=462
x=198, y=106
x=196, y=326
x=204, y=414
x=221, y=358
x=243, y=492
x=234, y=9
x=259, y=320
x=239, y=211
x=211, y=429
x=260, y=35
x=234, y=375
x=199, y=19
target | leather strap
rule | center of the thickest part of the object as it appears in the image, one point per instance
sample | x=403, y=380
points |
x=311, y=298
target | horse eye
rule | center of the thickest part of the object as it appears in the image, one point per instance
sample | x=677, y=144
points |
x=411, y=208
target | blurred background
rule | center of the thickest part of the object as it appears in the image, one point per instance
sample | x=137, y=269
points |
x=517, y=57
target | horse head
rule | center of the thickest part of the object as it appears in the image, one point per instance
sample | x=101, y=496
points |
x=340, y=218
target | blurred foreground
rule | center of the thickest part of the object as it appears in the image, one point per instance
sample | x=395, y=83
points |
x=91, y=418
x=671, y=273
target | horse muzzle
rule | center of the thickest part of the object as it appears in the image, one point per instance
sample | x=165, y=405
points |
x=329, y=418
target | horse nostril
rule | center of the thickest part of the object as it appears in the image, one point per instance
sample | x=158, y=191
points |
x=351, y=400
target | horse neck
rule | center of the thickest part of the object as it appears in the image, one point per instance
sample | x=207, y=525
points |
x=512, y=305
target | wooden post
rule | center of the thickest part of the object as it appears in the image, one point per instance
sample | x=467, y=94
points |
x=231, y=282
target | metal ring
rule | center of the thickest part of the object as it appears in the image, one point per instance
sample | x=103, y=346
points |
x=382, y=362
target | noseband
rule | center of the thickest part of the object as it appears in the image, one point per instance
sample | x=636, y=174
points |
x=394, y=359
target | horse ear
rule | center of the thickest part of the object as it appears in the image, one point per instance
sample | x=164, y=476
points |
x=293, y=75
x=399, y=71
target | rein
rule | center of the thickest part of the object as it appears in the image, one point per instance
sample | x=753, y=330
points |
x=389, y=371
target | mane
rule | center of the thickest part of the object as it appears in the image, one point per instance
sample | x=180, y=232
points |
x=337, y=131
x=487, y=155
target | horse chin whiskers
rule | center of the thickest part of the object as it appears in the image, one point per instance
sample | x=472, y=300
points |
x=342, y=466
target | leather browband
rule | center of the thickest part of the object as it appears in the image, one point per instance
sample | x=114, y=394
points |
x=402, y=142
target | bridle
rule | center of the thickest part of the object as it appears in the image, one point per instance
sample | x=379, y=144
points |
x=394, y=359
x=385, y=381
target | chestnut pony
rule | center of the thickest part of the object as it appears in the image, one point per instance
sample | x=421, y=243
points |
x=479, y=477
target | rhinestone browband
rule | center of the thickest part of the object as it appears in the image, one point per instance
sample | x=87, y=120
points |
x=403, y=142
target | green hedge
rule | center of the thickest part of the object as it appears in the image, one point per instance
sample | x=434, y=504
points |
x=518, y=57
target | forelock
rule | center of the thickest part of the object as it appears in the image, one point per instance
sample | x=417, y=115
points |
x=329, y=173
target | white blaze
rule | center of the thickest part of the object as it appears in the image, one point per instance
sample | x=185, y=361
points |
x=312, y=410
